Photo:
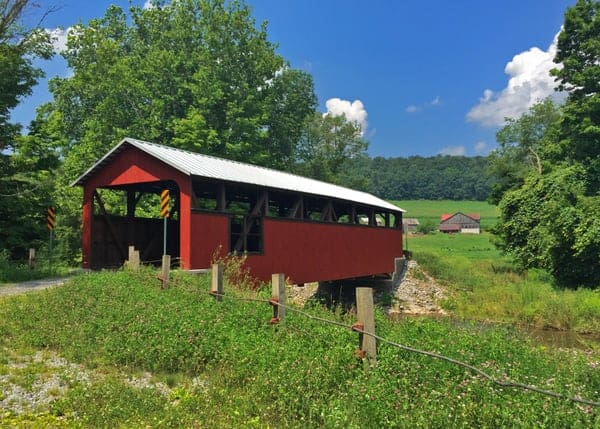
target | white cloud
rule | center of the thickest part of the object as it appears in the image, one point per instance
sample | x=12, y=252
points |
x=353, y=111
x=58, y=36
x=480, y=147
x=529, y=82
x=413, y=108
x=148, y=4
x=453, y=151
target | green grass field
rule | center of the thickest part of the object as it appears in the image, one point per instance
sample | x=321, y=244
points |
x=472, y=246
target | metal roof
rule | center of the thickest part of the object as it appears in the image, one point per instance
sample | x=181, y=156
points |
x=195, y=164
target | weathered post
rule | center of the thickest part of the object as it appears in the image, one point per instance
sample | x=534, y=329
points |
x=165, y=270
x=31, y=258
x=135, y=262
x=133, y=259
x=278, y=296
x=216, y=288
x=366, y=320
x=131, y=249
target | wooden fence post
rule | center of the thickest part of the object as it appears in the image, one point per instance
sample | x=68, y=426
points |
x=166, y=267
x=135, y=262
x=31, y=258
x=133, y=259
x=216, y=288
x=366, y=319
x=278, y=296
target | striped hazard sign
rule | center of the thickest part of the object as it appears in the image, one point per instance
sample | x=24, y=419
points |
x=164, y=203
x=51, y=218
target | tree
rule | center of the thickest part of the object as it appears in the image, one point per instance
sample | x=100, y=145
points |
x=326, y=144
x=18, y=48
x=525, y=145
x=546, y=224
x=579, y=53
x=551, y=220
x=23, y=166
x=196, y=74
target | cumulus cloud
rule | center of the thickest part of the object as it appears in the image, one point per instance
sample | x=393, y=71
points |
x=436, y=101
x=529, y=82
x=353, y=111
x=58, y=36
x=453, y=151
x=412, y=109
x=148, y=4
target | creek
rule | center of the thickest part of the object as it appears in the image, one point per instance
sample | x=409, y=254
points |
x=544, y=337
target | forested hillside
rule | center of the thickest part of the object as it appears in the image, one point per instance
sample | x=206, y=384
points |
x=431, y=178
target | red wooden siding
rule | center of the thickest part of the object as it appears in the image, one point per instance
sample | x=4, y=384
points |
x=307, y=252
x=208, y=232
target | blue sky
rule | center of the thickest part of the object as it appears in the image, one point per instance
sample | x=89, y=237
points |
x=424, y=78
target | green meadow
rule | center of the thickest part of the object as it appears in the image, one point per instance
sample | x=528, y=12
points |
x=486, y=285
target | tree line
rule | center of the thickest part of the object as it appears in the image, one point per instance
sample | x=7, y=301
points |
x=429, y=178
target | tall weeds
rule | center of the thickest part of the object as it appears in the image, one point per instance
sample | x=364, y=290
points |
x=492, y=290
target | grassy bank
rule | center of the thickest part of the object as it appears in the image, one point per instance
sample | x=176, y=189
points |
x=484, y=285
x=223, y=365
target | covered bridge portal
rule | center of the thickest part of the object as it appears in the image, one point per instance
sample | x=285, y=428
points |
x=307, y=229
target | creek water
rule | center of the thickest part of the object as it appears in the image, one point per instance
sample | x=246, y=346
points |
x=546, y=337
x=563, y=339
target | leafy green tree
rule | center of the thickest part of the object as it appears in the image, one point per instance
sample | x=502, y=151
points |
x=196, y=74
x=546, y=224
x=18, y=48
x=579, y=53
x=525, y=145
x=23, y=166
x=327, y=144
x=551, y=220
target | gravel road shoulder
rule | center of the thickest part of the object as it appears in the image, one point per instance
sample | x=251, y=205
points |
x=30, y=286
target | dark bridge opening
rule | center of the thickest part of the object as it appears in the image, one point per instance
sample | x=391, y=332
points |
x=130, y=216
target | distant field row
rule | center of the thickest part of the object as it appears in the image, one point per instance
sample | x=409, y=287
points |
x=433, y=209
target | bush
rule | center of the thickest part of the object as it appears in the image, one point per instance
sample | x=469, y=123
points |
x=427, y=226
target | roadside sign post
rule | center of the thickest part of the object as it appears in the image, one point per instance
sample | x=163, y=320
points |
x=50, y=223
x=166, y=259
x=164, y=212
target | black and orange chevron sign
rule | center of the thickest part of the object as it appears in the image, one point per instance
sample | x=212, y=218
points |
x=164, y=203
x=51, y=218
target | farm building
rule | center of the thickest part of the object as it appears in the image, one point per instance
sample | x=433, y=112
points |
x=410, y=225
x=460, y=222
x=307, y=229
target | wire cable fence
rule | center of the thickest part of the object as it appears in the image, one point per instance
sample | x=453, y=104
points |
x=507, y=383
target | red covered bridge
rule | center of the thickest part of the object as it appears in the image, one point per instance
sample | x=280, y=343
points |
x=307, y=229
